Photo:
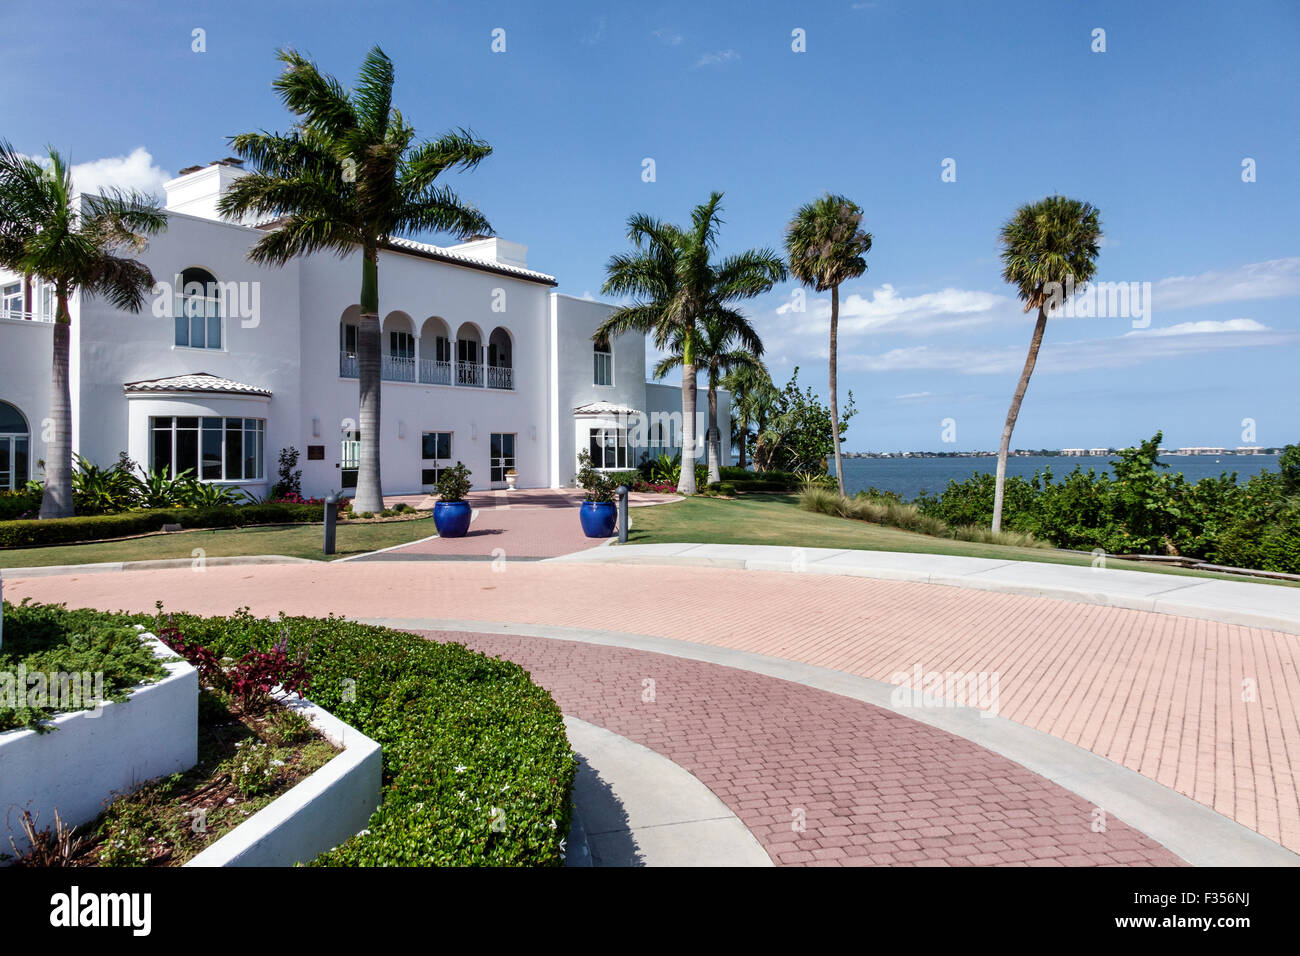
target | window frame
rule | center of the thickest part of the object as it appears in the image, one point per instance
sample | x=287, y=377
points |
x=440, y=461
x=621, y=444
x=607, y=353
x=181, y=312
x=255, y=427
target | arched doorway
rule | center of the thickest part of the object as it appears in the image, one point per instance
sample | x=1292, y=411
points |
x=15, y=447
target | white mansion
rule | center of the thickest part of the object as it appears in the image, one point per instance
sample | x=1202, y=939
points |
x=483, y=362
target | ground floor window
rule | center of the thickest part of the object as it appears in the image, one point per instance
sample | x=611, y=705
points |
x=435, y=455
x=608, y=448
x=14, y=446
x=209, y=448
x=503, y=456
x=350, y=456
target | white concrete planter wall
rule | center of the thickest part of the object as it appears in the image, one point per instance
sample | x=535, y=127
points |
x=319, y=813
x=89, y=756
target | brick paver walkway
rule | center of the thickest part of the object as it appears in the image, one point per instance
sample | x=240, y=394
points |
x=515, y=524
x=868, y=787
x=1210, y=710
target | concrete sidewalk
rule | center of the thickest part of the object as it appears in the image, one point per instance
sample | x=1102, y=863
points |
x=1244, y=603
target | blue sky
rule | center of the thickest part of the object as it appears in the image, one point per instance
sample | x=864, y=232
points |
x=1153, y=131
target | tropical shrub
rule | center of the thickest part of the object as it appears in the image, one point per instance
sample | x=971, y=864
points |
x=598, y=485
x=797, y=436
x=289, y=479
x=453, y=484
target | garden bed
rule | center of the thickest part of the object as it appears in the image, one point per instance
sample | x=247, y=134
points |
x=477, y=769
x=244, y=763
x=120, y=714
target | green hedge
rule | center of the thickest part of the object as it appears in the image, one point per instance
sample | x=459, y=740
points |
x=30, y=532
x=756, y=485
x=46, y=639
x=462, y=734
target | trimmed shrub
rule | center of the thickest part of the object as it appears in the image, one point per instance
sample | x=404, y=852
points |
x=28, y=533
x=477, y=767
x=727, y=488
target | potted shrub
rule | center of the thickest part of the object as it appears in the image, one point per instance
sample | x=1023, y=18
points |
x=451, y=513
x=598, y=513
x=511, y=478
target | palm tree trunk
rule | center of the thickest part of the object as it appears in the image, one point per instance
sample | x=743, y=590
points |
x=686, y=480
x=1013, y=413
x=835, y=405
x=56, y=502
x=370, y=491
x=715, y=434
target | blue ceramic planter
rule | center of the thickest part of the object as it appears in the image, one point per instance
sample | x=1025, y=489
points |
x=451, y=518
x=598, y=518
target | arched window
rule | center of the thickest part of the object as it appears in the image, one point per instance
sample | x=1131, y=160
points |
x=15, y=440
x=604, y=358
x=500, y=359
x=198, y=312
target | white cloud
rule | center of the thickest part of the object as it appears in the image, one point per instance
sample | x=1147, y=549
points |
x=719, y=58
x=133, y=171
x=922, y=314
x=596, y=34
x=667, y=37
x=1273, y=279
x=1133, y=348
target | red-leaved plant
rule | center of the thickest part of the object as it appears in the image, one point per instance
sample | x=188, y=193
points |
x=251, y=678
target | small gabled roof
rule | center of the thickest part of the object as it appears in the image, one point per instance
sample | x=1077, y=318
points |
x=605, y=408
x=196, y=382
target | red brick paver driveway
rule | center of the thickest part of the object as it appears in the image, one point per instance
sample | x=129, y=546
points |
x=512, y=524
x=1210, y=710
x=822, y=779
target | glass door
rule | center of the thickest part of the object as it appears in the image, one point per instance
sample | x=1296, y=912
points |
x=503, y=457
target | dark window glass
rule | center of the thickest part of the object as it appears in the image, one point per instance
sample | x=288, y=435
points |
x=211, y=465
x=160, y=458
x=234, y=447
x=187, y=451
x=20, y=462
x=428, y=476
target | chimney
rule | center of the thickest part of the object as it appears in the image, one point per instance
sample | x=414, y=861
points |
x=196, y=189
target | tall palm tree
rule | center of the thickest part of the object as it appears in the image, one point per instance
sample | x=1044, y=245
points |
x=1045, y=246
x=826, y=245
x=752, y=399
x=350, y=176
x=675, y=284
x=77, y=243
x=724, y=343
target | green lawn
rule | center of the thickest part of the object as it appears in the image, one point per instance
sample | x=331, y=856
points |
x=778, y=520
x=295, y=541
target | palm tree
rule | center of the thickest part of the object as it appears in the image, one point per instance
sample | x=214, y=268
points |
x=349, y=176
x=752, y=398
x=724, y=343
x=1045, y=246
x=675, y=285
x=77, y=243
x=826, y=247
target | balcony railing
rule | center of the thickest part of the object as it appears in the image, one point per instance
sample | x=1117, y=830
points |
x=433, y=372
x=19, y=314
x=398, y=368
x=469, y=374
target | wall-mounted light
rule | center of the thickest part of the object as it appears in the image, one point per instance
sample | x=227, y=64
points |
x=401, y=428
x=473, y=432
x=534, y=432
x=315, y=428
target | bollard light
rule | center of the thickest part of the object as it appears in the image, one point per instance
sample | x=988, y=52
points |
x=621, y=491
x=331, y=513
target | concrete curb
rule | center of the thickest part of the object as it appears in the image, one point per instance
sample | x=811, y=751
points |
x=151, y=565
x=633, y=806
x=1193, y=831
x=1244, y=603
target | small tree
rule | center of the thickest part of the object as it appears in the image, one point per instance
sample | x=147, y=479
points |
x=290, y=477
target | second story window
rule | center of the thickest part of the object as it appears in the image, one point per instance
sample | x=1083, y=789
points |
x=401, y=345
x=348, y=340
x=11, y=301
x=198, y=311
x=604, y=358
